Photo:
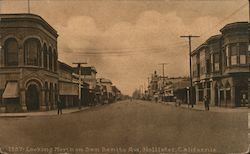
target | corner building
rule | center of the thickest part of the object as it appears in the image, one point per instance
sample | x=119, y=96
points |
x=220, y=67
x=28, y=63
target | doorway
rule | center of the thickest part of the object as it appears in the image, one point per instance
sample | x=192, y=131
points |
x=32, y=98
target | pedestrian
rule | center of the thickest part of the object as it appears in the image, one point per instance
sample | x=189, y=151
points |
x=175, y=100
x=205, y=102
x=59, y=106
x=244, y=100
x=208, y=103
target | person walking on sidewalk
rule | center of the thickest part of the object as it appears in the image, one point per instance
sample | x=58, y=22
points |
x=206, y=103
x=59, y=106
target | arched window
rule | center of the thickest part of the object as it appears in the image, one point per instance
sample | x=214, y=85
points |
x=11, y=52
x=32, y=52
x=45, y=54
x=50, y=58
x=55, y=60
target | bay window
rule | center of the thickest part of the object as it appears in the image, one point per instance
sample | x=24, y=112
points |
x=216, y=62
x=243, y=51
x=234, y=54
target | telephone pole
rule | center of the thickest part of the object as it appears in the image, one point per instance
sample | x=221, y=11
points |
x=163, y=64
x=248, y=52
x=163, y=80
x=29, y=6
x=79, y=82
x=190, y=67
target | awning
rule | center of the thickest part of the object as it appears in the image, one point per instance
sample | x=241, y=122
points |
x=11, y=90
x=68, y=88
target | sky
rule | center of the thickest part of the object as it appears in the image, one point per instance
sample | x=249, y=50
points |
x=126, y=40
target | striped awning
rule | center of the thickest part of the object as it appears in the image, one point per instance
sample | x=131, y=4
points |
x=11, y=90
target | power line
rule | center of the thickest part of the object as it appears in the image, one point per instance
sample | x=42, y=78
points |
x=224, y=19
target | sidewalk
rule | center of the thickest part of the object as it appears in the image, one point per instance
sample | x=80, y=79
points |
x=200, y=107
x=42, y=113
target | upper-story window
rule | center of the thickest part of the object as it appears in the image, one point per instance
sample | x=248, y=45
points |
x=227, y=58
x=194, y=66
x=11, y=52
x=32, y=52
x=243, y=52
x=216, y=61
x=50, y=58
x=45, y=56
x=202, y=62
x=55, y=60
x=236, y=53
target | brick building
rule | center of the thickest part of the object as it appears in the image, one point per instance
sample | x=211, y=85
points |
x=221, y=66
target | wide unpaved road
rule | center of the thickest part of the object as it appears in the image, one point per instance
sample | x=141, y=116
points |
x=124, y=126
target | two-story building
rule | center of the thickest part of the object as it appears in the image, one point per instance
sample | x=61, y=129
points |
x=68, y=85
x=28, y=63
x=221, y=66
x=88, y=74
x=106, y=85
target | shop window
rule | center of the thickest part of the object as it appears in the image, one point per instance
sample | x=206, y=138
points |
x=227, y=56
x=32, y=52
x=201, y=94
x=11, y=52
x=1, y=94
x=248, y=57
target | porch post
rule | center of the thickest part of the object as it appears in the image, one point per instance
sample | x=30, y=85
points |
x=23, y=100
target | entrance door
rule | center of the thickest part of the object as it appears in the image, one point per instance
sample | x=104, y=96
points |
x=32, y=98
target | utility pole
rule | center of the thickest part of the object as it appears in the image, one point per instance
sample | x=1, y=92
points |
x=163, y=64
x=29, y=6
x=190, y=67
x=163, y=79
x=248, y=52
x=79, y=82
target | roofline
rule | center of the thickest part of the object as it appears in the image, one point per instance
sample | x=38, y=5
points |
x=214, y=37
x=29, y=16
x=233, y=24
x=203, y=45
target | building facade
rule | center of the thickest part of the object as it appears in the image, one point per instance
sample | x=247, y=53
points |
x=28, y=63
x=68, y=85
x=221, y=67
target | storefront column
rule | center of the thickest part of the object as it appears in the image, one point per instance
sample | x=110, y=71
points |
x=42, y=102
x=232, y=103
x=23, y=100
x=204, y=89
x=197, y=93
x=1, y=54
x=225, y=97
x=212, y=92
x=248, y=90
x=219, y=100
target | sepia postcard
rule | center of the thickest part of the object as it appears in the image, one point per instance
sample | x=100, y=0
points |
x=124, y=76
